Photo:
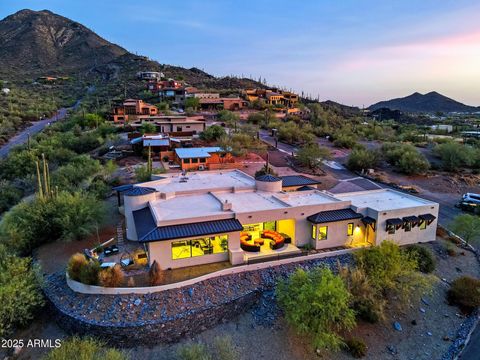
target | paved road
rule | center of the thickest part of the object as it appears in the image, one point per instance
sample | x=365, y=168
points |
x=472, y=350
x=38, y=126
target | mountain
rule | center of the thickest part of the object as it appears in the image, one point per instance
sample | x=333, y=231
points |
x=41, y=43
x=430, y=102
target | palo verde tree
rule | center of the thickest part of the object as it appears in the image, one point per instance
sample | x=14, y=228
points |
x=317, y=302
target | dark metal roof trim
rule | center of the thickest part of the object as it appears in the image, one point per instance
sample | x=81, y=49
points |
x=297, y=180
x=122, y=188
x=412, y=219
x=427, y=217
x=268, y=178
x=367, y=220
x=395, y=221
x=333, y=215
x=144, y=221
x=180, y=231
x=139, y=190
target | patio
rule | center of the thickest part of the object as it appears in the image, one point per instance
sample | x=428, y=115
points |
x=266, y=253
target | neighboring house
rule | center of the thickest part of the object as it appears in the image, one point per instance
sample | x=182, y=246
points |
x=175, y=125
x=150, y=75
x=157, y=143
x=222, y=103
x=155, y=86
x=176, y=95
x=274, y=97
x=215, y=216
x=203, y=158
x=131, y=110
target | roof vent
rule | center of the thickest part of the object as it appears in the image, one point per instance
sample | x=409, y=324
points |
x=226, y=206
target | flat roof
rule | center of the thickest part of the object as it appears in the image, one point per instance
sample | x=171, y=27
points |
x=185, y=207
x=200, y=152
x=383, y=199
x=301, y=198
x=203, y=181
x=251, y=201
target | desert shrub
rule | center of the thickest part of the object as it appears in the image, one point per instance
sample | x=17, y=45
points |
x=224, y=349
x=312, y=155
x=465, y=292
x=75, y=264
x=84, y=349
x=388, y=268
x=425, y=259
x=155, y=274
x=345, y=140
x=356, y=347
x=111, y=277
x=89, y=273
x=454, y=155
x=9, y=195
x=361, y=158
x=467, y=227
x=317, y=302
x=265, y=170
x=193, y=351
x=63, y=217
x=367, y=301
x=212, y=133
x=20, y=293
x=405, y=157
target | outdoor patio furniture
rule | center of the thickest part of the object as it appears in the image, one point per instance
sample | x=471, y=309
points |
x=126, y=262
x=107, y=251
x=259, y=241
x=286, y=238
x=244, y=245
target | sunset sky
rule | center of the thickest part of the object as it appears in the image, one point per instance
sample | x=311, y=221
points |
x=351, y=51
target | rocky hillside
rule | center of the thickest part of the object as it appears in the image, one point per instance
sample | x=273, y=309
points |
x=41, y=43
x=431, y=102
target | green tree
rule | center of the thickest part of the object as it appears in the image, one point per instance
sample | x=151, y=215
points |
x=213, y=133
x=312, y=155
x=20, y=293
x=148, y=128
x=362, y=159
x=454, y=155
x=84, y=349
x=229, y=118
x=192, y=103
x=467, y=227
x=317, y=303
x=388, y=268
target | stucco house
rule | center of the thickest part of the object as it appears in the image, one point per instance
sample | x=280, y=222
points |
x=215, y=216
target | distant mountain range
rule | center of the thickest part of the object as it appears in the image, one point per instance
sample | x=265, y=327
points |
x=430, y=102
x=41, y=43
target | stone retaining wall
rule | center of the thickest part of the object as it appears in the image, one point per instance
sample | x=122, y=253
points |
x=170, y=315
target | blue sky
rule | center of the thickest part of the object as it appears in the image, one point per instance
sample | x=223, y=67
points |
x=355, y=52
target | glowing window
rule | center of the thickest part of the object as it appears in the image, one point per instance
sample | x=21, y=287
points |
x=423, y=225
x=322, y=232
x=199, y=247
x=314, y=232
x=350, y=229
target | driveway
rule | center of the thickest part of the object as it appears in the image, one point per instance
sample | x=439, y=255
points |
x=35, y=128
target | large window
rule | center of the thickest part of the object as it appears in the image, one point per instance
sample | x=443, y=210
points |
x=314, y=232
x=408, y=226
x=322, y=232
x=199, y=247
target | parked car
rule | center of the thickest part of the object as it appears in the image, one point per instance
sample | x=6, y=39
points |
x=469, y=207
x=471, y=198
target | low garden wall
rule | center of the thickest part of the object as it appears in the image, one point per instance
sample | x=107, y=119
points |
x=174, y=313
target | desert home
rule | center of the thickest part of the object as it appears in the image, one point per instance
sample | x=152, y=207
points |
x=203, y=158
x=216, y=216
x=275, y=97
x=132, y=109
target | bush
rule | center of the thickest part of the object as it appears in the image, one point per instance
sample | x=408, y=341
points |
x=212, y=133
x=89, y=273
x=454, y=155
x=405, y=157
x=193, y=351
x=9, y=195
x=75, y=264
x=266, y=170
x=312, y=155
x=85, y=349
x=111, y=277
x=367, y=301
x=317, y=302
x=20, y=293
x=465, y=292
x=467, y=227
x=424, y=257
x=63, y=217
x=388, y=268
x=362, y=159
x=224, y=349
x=356, y=347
